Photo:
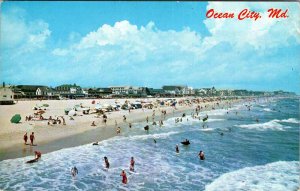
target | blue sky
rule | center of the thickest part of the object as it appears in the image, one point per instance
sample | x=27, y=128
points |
x=149, y=44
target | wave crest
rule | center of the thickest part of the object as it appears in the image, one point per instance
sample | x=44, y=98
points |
x=280, y=175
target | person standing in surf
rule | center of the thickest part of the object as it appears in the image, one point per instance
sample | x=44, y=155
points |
x=32, y=138
x=177, y=149
x=106, y=162
x=132, y=164
x=124, y=177
x=74, y=171
x=25, y=138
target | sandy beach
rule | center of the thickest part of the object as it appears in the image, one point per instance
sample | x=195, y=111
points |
x=76, y=132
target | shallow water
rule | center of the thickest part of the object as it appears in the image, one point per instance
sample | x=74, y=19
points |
x=250, y=155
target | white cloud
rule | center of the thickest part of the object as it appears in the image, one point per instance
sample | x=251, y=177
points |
x=124, y=53
x=262, y=34
x=59, y=52
x=19, y=34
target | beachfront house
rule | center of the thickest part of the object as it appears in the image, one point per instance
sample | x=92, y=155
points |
x=29, y=91
x=69, y=91
x=157, y=92
x=206, y=92
x=104, y=92
x=130, y=91
x=176, y=90
x=6, y=95
x=224, y=92
x=190, y=91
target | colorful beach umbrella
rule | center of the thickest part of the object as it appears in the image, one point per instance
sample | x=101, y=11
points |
x=16, y=118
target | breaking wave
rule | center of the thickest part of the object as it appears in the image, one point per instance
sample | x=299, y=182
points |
x=275, y=176
x=271, y=125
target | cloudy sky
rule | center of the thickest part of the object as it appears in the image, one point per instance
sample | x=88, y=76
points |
x=149, y=44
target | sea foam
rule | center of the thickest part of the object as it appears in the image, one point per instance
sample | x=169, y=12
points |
x=271, y=125
x=275, y=176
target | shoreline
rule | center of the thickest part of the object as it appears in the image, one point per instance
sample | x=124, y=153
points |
x=73, y=138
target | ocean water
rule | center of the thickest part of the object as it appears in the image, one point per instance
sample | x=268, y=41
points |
x=250, y=155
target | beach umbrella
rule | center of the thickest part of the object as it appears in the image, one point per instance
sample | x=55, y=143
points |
x=46, y=105
x=41, y=112
x=72, y=113
x=98, y=106
x=16, y=118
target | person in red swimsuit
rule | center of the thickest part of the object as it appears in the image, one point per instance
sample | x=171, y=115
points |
x=124, y=177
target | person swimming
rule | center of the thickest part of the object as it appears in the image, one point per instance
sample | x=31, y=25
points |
x=132, y=164
x=106, y=162
x=124, y=177
x=74, y=171
x=201, y=155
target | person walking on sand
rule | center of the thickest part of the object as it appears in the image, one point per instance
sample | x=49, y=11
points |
x=147, y=119
x=32, y=138
x=25, y=138
x=124, y=177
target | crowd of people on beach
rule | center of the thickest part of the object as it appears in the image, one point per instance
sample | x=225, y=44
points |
x=194, y=115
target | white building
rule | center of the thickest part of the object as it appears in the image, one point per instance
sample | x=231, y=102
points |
x=125, y=90
x=6, y=95
x=44, y=91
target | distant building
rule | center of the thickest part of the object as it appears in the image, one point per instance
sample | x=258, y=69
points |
x=157, y=92
x=6, y=95
x=130, y=91
x=28, y=91
x=97, y=92
x=176, y=90
x=104, y=92
x=69, y=91
x=206, y=92
x=45, y=91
